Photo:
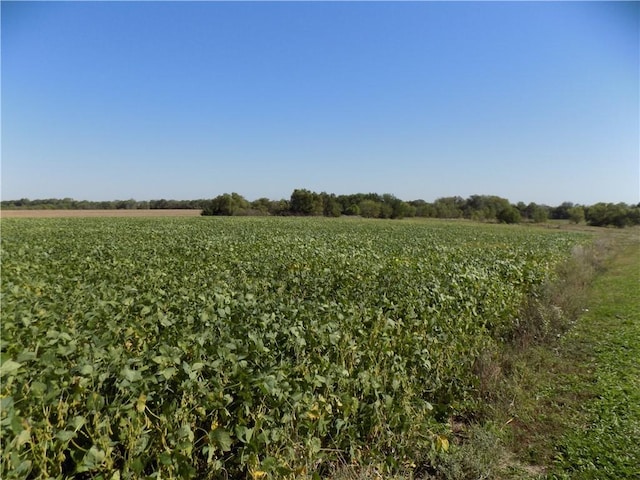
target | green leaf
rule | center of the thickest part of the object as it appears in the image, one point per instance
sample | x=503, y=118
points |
x=186, y=432
x=23, y=437
x=77, y=422
x=169, y=372
x=197, y=366
x=65, y=435
x=221, y=438
x=131, y=375
x=244, y=433
x=93, y=459
x=9, y=367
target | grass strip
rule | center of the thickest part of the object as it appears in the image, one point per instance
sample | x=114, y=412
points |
x=567, y=405
x=602, y=430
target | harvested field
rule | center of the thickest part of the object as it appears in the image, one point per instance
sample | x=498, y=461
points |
x=98, y=213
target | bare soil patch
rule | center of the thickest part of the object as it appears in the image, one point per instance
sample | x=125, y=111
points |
x=98, y=213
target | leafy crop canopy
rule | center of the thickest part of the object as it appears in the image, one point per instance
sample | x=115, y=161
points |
x=207, y=347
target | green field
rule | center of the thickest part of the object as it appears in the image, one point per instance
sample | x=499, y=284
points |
x=251, y=347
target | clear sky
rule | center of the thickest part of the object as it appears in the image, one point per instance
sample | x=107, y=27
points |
x=535, y=102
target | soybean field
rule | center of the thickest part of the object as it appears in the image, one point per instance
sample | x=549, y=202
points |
x=250, y=347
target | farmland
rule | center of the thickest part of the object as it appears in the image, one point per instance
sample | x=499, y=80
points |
x=47, y=213
x=250, y=347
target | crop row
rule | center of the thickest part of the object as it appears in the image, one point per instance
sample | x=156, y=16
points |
x=232, y=347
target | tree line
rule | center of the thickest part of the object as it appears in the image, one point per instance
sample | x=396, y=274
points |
x=131, y=204
x=303, y=202
x=372, y=205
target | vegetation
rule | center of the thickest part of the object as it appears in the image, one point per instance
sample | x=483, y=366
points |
x=71, y=204
x=252, y=347
x=581, y=408
x=562, y=402
x=618, y=215
x=598, y=441
x=371, y=205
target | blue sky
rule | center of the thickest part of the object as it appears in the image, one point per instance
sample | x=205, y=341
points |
x=535, y=102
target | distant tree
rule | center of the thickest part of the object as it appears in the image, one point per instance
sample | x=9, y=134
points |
x=634, y=215
x=537, y=213
x=305, y=202
x=484, y=207
x=561, y=212
x=331, y=207
x=371, y=205
x=540, y=215
x=220, y=205
x=386, y=210
x=598, y=215
x=227, y=204
x=279, y=207
x=376, y=197
x=449, y=207
x=609, y=214
x=126, y=204
x=423, y=209
x=261, y=206
x=352, y=210
x=393, y=207
x=402, y=209
x=576, y=214
x=369, y=208
x=158, y=204
x=348, y=202
x=509, y=214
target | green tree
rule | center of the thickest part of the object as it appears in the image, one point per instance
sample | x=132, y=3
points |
x=279, y=207
x=509, y=214
x=369, y=208
x=352, y=210
x=386, y=210
x=484, y=207
x=539, y=214
x=261, y=206
x=449, y=207
x=227, y=205
x=604, y=214
x=423, y=209
x=331, y=207
x=561, y=212
x=305, y=202
x=576, y=214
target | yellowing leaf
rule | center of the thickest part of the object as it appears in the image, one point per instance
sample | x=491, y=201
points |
x=442, y=443
x=257, y=473
x=141, y=403
x=314, y=413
